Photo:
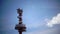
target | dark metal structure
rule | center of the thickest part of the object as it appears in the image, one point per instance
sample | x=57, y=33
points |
x=20, y=27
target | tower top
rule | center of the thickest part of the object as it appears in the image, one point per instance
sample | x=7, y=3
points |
x=19, y=10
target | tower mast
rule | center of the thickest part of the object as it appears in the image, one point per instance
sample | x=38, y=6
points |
x=20, y=26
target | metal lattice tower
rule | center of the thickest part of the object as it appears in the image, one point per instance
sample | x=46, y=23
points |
x=20, y=27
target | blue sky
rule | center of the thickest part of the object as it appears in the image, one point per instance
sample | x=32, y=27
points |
x=37, y=16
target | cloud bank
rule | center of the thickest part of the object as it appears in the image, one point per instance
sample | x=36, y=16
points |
x=54, y=20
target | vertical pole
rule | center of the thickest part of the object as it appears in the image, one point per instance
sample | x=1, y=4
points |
x=20, y=32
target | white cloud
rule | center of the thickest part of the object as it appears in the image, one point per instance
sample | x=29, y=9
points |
x=53, y=21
